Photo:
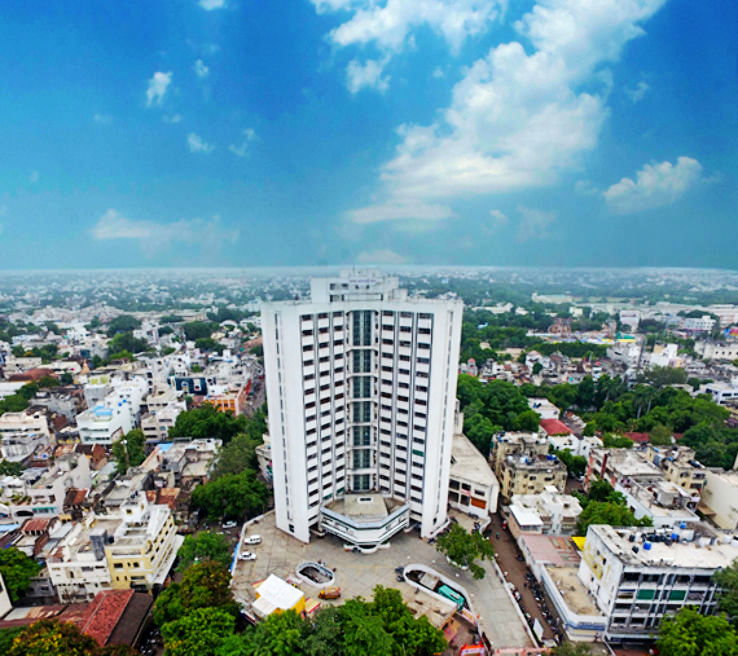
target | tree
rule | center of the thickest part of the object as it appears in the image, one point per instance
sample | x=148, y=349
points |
x=608, y=512
x=17, y=570
x=528, y=420
x=280, y=634
x=128, y=343
x=236, y=456
x=727, y=579
x=661, y=376
x=575, y=465
x=199, y=632
x=66, y=378
x=537, y=368
x=124, y=323
x=198, y=329
x=8, y=468
x=206, y=421
x=208, y=344
x=690, y=634
x=204, y=546
x=660, y=435
x=462, y=549
x=233, y=496
x=52, y=638
x=203, y=585
x=129, y=451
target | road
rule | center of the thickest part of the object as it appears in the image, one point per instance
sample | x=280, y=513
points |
x=507, y=553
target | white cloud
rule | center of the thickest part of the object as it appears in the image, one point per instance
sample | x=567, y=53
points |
x=499, y=219
x=241, y=149
x=380, y=256
x=534, y=223
x=390, y=26
x=585, y=188
x=437, y=72
x=197, y=145
x=102, y=119
x=368, y=74
x=157, y=88
x=209, y=5
x=636, y=93
x=201, y=70
x=519, y=116
x=153, y=236
x=399, y=211
x=656, y=185
x=33, y=178
x=171, y=118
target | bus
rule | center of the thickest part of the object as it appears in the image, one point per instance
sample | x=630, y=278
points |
x=454, y=596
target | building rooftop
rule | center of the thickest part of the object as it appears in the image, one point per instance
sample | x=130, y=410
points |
x=551, y=549
x=555, y=427
x=361, y=507
x=572, y=589
x=468, y=463
x=707, y=550
x=627, y=462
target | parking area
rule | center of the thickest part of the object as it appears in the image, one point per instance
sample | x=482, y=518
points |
x=357, y=574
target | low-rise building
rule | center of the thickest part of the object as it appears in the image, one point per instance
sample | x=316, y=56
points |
x=473, y=486
x=103, y=424
x=637, y=576
x=619, y=465
x=679, y=466
x=504, y=444
x=22, y=433
x=532, y=473
x=156, y=423
x=549, y=512
x=722, y=393
x=719, y=499
x=544, y=407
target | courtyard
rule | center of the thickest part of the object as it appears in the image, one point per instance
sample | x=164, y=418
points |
x=357, y=574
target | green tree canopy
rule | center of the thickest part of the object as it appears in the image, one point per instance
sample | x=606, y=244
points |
x=207, y=421
x=198, y=329
x=463, y=548
x=52, y=638
x=129, y=451
x=727, y=579
x=17, y=570
x=689, y=633
x=204, y=546
x=128, y=343
x=233, y=496
x=197, y=633
x=124, y=323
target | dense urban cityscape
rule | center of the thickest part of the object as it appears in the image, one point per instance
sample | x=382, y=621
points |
x=502, y=460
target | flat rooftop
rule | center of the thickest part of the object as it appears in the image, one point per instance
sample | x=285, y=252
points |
x=361, y=507
x=553, y=549
x=468, y=463
x=698, y=553
x=575, y=595
x=629, y=463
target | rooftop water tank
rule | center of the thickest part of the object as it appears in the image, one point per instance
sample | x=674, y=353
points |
x=646, y=546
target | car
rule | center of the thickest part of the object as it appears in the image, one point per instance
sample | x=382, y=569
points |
x=330, y=593
x=229, y=524
x=252, y=539
x=246, y=555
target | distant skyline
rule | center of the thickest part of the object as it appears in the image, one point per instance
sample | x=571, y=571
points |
x=402, y=132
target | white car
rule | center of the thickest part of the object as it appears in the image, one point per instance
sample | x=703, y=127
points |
x=246, y=555
x=252, y=539
x=229, y=524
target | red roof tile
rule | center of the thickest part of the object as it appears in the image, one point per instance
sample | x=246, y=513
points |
x=555, y=427
x=37, y=524
x=104, y=613
x=641, y=438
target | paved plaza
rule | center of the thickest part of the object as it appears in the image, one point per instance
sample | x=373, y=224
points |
x=357, y=574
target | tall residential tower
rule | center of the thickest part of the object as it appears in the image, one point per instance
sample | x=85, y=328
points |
x=361, y=386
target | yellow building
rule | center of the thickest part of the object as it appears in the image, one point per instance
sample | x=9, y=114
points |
x=144, y=546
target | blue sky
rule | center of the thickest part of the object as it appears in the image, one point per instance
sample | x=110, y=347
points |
x=480, y=132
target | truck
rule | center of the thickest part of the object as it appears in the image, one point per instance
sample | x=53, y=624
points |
x=333, y=592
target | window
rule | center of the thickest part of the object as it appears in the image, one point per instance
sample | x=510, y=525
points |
x=362, y=411
x=362, y=458
x=362, y=435
x=362, y=387
x=362, y=482
x=362, y=360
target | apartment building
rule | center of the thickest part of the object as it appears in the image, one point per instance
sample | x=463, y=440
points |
x=361, y=386
x=473, y=486
x=523, y=473
x=156, y=424
x=679, y=466
x=636, y=576
x=719, y=499
x=103, y=425
x=505, y=444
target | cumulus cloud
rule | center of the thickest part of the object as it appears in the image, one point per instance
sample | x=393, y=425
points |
x=499, y=219
x=210, y=5
x=389, y=27
x=102, y=119
x=585, y=188
x=656, y=185
x=520, y=115
x=380, y=256
x=637, y=92
x=196, y=144
x=533, y=223
x=201, y=70
x=367, y=75
x=157, y=88
x=171, y=118
x=153, y=236
x=402, y=210
x=241, y=149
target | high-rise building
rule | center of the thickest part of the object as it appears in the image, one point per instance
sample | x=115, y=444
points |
x=361, y=386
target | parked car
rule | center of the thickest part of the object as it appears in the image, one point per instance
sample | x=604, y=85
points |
x=229, y=524
x=252, y=539
x=246, y=555
x=330, y=593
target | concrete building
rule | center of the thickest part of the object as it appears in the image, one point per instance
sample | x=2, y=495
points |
x=679, y=466
x=719, y=499
x=636, y=576
x=703, y=324
x=549, y=512
x=722, y=393
x=544, y=407
x=156, y=424
x=104, y=425
x=531, y=474
x=361, y=386
x=504, y=444
x=620, y=465
x=473, y=486
x=717, y=350
x=21, y=433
